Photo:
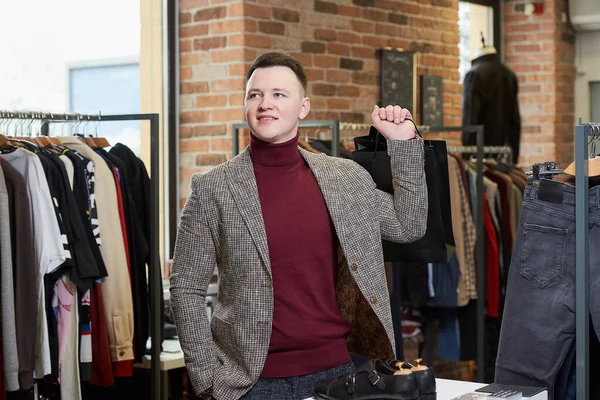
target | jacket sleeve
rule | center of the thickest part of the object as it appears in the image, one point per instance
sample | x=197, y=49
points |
x=471, y=106
x=403, y=216
x=193, y=265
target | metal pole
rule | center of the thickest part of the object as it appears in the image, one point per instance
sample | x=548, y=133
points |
x=235, y=140
x=582, y=288
x=155, y=272
x=335, y=138
x=480, y=262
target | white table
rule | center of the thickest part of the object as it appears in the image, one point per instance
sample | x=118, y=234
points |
x=448, y=389
x=172, y=358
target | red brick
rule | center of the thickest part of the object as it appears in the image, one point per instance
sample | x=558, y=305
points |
x=314, y=74
x=193, y=30
x=363, y=26
x=305, y=59
x=313, y=47
x=208, y=14
x=227, y=55
x=207, y=130
x=210, y=159
x=238, y=69
x=220, y=145
x=185, y=73
x=338, y=76
x=185, y=18
x=272, y=28
x=337, y=103
x=193, y=87
x=349, y=37
x=327, y=35
x=322, y=89
x=214, y=42
x=193, y=146
x=257, y=11
x=363, y=52
x=348, y=91
x=189, y=4
x=261, y=41
x=350, y=11
x=227, y=115
x=227, y=26
x=228, y=85
x=337, y=48
x=326, y=61
x=195, y=58
x=285, y=14
x=204, y=101
x=186, y=117
x=185, y=45
x=236, y=99
x=387, y=29
x=375, y=14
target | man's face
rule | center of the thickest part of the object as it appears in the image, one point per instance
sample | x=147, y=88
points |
x=274, y=104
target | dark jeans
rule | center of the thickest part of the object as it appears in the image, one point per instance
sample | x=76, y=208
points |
x=293, y=388
x=538, y=326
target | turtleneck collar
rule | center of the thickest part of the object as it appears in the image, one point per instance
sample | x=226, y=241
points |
x=274, y=154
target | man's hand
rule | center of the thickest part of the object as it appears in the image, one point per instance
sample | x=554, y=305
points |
x=391, y=122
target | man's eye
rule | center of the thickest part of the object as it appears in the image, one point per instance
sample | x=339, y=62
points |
x=279, y=95
x=252, y=95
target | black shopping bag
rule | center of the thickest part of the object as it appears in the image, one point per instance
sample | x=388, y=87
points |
x=438, y=243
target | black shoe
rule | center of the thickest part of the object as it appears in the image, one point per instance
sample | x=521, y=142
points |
x=373, y=380
x=425, y=380
x=424, y=375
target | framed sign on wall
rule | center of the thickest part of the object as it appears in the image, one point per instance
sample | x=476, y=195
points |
x=398, y=78
x=432, y=102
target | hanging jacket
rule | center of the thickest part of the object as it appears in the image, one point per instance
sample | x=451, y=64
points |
x=490, y=98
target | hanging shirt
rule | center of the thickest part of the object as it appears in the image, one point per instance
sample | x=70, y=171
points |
x=9, y=334
x=118, y=303
x=48, y=246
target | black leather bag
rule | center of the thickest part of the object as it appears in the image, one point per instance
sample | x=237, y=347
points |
x=438, y=243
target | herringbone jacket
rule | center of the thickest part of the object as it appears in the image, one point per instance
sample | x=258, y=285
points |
x=222, y=224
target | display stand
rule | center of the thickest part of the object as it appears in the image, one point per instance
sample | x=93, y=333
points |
x=582, y=261
x=155, y=275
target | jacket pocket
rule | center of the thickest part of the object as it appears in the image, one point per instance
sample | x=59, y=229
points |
x=123, y=334
x=542, y=254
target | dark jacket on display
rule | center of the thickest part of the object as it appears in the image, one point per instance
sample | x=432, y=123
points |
x=490, y=98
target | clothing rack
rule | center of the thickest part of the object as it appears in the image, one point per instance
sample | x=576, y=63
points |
x=479, y=151
x=332, y=124
x=582, y=261
x=155, y=275
x=495, y=150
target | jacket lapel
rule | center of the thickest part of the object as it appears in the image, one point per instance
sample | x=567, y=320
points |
x=328, y=176
x=242, y=183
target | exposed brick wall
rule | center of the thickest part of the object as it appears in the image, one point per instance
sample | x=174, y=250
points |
x=337, y=42
x=540, y=50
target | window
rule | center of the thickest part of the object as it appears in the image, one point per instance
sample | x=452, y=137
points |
x=112, y=88
x=474, y=19
x=595, y=101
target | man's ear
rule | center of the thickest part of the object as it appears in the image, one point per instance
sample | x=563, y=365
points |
x=305, y=108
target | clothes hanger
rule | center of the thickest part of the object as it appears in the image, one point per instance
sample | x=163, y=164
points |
x=594, y=159
x=100, y=141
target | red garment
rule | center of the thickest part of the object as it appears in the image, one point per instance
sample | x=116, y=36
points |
x=101, y=362
x=122, y=369
x=309, y=332
x=493, y=266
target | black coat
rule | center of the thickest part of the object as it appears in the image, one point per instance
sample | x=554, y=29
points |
x=490, y=98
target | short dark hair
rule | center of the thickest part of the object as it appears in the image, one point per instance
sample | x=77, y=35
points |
x=276, y=59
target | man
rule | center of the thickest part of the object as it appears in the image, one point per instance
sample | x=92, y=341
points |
x=296, y=237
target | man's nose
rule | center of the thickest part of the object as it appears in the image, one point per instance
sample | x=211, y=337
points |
x=266, y=103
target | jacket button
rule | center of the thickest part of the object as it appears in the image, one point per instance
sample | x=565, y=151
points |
x=121, y=353
x=374, y=300
x=354, y=267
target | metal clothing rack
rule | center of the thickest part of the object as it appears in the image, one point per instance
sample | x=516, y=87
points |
x=495, y=150
x=582, y=261
x=479, y=150
x=332, y=124
x=155, y=275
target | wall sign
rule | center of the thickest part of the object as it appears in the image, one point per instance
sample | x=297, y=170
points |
x=432, y=101
x=398, y=78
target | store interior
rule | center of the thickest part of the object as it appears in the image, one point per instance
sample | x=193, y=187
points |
x=109, y=110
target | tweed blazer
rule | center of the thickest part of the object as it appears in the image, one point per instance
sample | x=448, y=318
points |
x=221, y=224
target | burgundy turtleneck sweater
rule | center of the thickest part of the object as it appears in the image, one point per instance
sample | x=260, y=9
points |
x=309, y=332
